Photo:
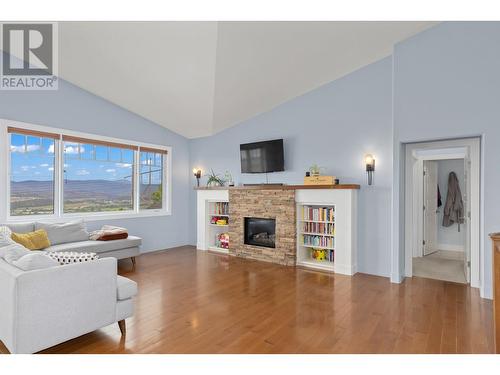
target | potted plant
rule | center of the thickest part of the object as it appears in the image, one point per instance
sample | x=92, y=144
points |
x=214, y=179
x=315, y=170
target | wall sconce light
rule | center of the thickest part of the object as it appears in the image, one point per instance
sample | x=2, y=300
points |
x=197, y=174
x=370, y=167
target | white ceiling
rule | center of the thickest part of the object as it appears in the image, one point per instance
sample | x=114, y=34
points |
x=198, y=78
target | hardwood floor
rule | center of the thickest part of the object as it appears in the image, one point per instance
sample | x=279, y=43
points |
x=197, y=302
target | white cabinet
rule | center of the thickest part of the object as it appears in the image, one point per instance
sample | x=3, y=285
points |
x=326, y=226
x=212, y=204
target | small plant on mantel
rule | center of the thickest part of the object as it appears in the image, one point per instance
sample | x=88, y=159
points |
x=214, y=179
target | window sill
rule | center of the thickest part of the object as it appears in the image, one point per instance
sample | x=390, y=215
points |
x=88, y=216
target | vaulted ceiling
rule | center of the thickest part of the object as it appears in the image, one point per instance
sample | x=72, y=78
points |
x=198, y=78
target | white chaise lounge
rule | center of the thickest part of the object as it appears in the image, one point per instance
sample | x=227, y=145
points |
x=45, y=307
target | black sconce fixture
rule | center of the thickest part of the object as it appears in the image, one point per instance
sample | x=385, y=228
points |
x=370, y=167
x=197, y=174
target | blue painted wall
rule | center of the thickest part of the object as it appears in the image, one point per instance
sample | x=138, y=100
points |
x=333, y=126
x=441, y=83
x=75, y=109
x=447, y=84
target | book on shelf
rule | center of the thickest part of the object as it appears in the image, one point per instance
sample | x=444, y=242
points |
x=320, y=241
x=319, y=228
x=221, y=208
x=326, y=214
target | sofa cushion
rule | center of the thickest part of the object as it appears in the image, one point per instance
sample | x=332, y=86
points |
x=97, y=246
x=21, y=227
x=125, y=288
x=36, y=240
x=65, y=232
x=11, y=253
x=5, y=236
x=34, y=261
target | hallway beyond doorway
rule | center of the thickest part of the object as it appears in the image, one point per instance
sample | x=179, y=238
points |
x=441, y=265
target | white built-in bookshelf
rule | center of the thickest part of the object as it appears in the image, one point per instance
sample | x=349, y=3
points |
x=326, y=230
x=217, y=222
x=316, y=236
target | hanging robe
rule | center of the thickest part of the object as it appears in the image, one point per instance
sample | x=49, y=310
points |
x=454, y=205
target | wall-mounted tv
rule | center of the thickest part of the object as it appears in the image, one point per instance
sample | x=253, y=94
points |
x=262, y=157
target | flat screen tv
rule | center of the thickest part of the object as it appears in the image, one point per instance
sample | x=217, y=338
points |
x=262, y=157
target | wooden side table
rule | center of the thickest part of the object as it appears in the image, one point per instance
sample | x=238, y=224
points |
x=495, y=237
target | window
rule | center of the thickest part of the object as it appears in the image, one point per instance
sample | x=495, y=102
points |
x=58, y=174
x=32, y=174
x=97, y=177
x=151, y=179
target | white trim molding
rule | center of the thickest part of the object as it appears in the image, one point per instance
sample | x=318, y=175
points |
x=416, y=153
x=58, y=209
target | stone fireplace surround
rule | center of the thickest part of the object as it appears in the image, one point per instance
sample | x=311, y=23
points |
x=274, y=204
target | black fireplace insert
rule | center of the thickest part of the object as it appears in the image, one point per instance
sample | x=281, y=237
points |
x=260, y=232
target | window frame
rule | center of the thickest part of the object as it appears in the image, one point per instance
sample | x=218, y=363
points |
x=59, y=214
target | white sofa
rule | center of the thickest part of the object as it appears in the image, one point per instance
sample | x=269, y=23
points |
x=119, y=249
x=45, y=307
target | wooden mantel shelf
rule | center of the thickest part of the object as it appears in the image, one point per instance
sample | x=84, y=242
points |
x=280, y=187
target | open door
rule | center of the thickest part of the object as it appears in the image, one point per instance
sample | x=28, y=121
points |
x=430, y=207
x=467, y=223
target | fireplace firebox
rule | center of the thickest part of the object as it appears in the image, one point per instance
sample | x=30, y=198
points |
x=260, y=232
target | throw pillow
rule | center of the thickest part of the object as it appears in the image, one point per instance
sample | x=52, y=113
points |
x=13, y=252
x=5, y=236
x=22, y=227
x=113, y=237
x=58, y=233
x=34, y=261
x=68, y=257
x=36, y=240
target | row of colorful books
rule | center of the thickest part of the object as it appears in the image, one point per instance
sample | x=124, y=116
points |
x=322, y=241
x=318, y=213
x=221, y=208
x=323, y=228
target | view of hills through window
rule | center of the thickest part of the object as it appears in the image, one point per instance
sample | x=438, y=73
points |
x=95, y=177
x=31, y=175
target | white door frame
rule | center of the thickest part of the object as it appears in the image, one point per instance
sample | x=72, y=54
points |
x=416, y=153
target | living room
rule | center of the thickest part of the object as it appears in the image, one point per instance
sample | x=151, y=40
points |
x=251, y=187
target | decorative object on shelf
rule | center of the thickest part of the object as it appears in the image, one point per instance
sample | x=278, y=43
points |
x=315, y=170
x=228, y=179
x=308, y=174
x=214, y=179
x=319, y=254
x=218, y=220
x=222, y=241
x=370, y=167
x=319, y=180
x=337, y=181
x=197, y=174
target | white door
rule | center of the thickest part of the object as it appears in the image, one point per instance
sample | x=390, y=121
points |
x=467, y=224
x=430, y=207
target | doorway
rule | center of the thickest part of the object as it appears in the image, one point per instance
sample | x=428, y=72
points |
x=443, y=253
x=442, y=210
